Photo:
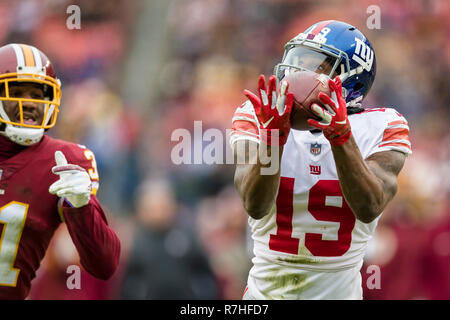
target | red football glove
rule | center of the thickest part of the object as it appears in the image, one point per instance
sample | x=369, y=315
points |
x=334, y=124
x=273, y=112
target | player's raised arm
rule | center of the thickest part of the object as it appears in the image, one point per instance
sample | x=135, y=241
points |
x=258, y=192
x=368, y=185
x=96, y=243
x=257, y=189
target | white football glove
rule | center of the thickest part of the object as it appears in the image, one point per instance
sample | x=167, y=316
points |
x=74, y=182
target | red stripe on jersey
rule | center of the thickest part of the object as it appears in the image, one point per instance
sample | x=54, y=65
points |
x=396, y=134
x=319, y=27
x=394, y=144
x=393, y=123
x=374, y=110
x=243, y=125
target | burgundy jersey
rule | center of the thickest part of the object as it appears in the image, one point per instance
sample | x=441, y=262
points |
x=29, y=215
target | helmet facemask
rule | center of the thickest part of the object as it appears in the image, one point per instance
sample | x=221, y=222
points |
x=18, y=129
x=306, y=54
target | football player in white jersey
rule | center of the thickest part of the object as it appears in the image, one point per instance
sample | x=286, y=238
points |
x=312, y=220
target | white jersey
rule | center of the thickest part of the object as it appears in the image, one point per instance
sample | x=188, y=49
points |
x=311, y=246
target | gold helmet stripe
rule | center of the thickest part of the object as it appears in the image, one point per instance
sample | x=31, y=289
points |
x=29, y=57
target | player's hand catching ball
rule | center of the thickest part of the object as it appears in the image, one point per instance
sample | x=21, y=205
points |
x=334, y=124
x=74, y=182
x=273, y=112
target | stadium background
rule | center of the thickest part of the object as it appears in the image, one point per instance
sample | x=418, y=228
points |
x=137, y=70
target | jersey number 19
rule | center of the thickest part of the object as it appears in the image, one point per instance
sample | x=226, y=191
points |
x=325, y=203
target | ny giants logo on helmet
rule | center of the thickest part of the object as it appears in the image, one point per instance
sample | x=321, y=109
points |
x=363, y=54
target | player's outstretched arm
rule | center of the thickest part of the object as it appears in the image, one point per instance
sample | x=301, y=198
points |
x=96, y=243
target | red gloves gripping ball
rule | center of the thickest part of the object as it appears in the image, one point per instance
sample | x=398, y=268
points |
x=273, y=112
x=334, y=124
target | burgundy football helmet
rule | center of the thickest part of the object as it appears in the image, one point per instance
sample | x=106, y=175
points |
x=24, y=64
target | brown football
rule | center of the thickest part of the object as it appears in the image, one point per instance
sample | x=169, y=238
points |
x=306, y=86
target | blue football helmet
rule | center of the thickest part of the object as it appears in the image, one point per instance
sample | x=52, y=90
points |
x=333, y=48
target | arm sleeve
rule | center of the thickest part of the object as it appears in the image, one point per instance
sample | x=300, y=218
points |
x=245, y=124
x=96, y=243
x=395, y=134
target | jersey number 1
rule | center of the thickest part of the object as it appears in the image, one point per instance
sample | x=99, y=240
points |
x=12, y=217
x=325, y=203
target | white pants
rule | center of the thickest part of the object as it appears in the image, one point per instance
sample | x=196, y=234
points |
x=280, y=282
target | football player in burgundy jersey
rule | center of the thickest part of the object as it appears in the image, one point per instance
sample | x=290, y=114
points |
x=312, y=220
x=43, y=181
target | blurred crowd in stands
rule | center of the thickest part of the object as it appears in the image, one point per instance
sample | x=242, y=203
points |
x=183, y=228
